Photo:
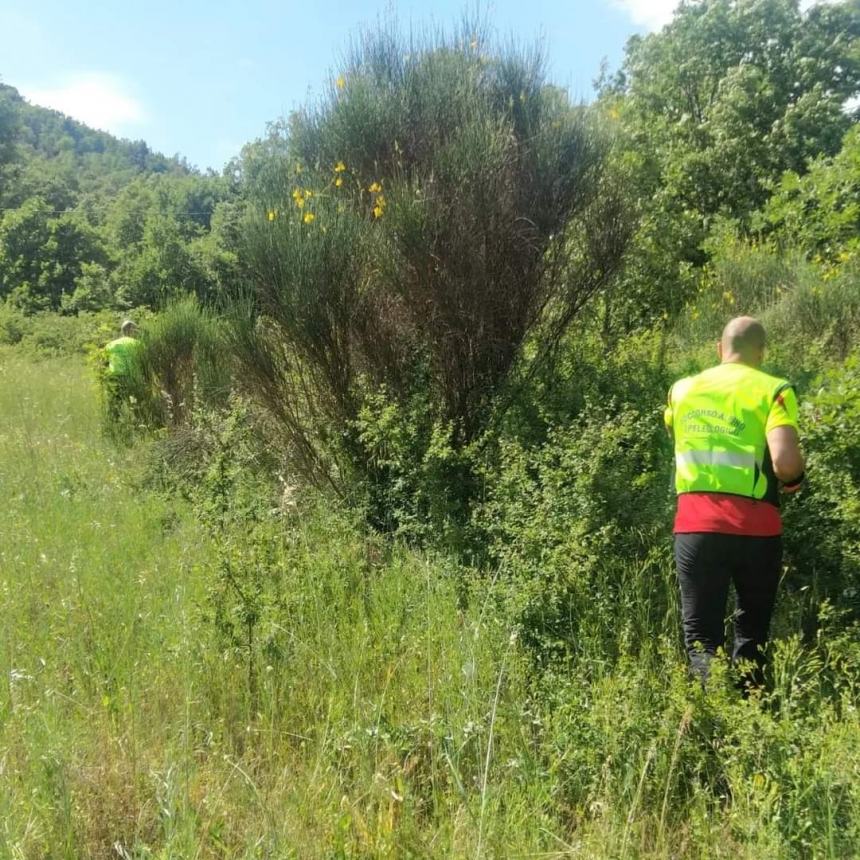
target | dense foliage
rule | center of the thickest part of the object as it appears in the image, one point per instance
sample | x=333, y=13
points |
x=90, y=222
x=711, y=111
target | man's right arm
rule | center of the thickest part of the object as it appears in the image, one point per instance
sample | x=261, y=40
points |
x=785, y=453
x=782, y=439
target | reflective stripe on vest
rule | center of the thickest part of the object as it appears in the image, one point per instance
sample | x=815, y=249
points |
x=719, y=420
x=715, y=458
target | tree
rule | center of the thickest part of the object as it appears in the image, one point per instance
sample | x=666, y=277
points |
x=9, y=128
x=164, y=267
x=41, y=256
x=92, y=290
x=51, y=180
x=712, y=110
x=87, y=214
x=820, y=212
x=734, y=92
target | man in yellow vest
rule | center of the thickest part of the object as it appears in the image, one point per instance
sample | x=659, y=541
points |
x=119, y=353
x=736, y=447
x=120, y=350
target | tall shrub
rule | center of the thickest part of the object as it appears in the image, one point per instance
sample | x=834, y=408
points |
x=823, y=523
x=181, y=362
x=442, y=206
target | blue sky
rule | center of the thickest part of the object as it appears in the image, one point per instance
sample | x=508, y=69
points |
x=203, y=78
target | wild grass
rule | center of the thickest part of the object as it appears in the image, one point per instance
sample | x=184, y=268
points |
x=125, y=730
x=394, y=711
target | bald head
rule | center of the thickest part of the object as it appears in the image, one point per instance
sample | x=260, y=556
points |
x=742, y=341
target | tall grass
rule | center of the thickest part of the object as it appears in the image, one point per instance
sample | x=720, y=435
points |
x=811, y=311
x=125, y=730
x=393, y=711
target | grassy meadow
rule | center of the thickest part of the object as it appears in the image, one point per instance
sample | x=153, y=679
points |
x=125, y=732
x=382, y=706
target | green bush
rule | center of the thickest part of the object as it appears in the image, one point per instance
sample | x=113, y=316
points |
x=50, y=334
x=817, y=323
x=417, y=482
x=441, y=207
x=579, y=527
x=819, y=213
x=823, y=522
x=811, y=311
x=182, y=362
x=13, y=325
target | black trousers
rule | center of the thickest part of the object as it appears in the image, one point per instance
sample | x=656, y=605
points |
x=706, y=564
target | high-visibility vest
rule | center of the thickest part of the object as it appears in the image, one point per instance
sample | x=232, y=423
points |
x=719, y=420
x=119, y=354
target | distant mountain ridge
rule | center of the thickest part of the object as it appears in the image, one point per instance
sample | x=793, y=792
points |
x=48, y=133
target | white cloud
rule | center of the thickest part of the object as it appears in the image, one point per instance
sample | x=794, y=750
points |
x=651, y=14
x=97, y=99
x=654, y=14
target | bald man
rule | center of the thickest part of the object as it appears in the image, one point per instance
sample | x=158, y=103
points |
x=736, y=446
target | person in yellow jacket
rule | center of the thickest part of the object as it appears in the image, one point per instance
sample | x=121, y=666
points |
x=736, y=447
x=118, y=356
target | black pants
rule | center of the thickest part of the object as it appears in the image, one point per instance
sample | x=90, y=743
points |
x=706, y=564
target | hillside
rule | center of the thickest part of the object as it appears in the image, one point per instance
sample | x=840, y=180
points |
x=89, y=221
x=37, y=139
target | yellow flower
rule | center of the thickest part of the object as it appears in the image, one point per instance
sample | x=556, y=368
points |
x=308, y=217
x=340, y=83
x=338, y=182
x=272, y=214
x=727, y=295
x=339, y=167
x=298, y=197
x=375, y=188
x=377, y=211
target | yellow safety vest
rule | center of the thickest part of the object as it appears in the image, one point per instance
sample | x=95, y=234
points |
x=119, y=353
x=720, y=420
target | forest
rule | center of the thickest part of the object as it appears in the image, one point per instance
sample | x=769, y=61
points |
x=373, y=558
